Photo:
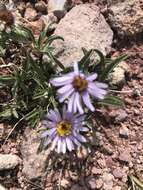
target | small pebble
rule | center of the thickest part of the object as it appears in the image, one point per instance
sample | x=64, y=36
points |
x=124, y=132
x=125, y=157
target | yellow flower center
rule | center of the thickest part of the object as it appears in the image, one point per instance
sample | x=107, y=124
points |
x=80, y=84
x=64, y=128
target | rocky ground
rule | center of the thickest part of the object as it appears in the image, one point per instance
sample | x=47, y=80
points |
x=114, y=27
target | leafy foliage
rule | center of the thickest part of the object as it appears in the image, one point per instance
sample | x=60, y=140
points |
x=31, y=93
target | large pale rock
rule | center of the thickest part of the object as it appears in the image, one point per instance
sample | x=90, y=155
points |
x=33, y=162
x=8, y=161
x=84, y=26
x=126, y=17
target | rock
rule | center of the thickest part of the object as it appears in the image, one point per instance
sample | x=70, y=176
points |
x=117, y=188
x=118, y=173
x=117, y=77
x=96, y=171
x=126, y=17
x=36, y=26
x=108, y=181
x=99, y=183
x=33, y=163
x=73, y=176
x=59, y=7
x=121, y=116
x=92, y=183
x=21, y=8
x=124, y=132
x=125, y=156
x=111, y=2
x=78, y=22
x=65, y=183
x=50, y=20
x=8, y=161
x=76, y=187
x=2, y=188
x=41, y=7
x=82, y=152
x=30, y=14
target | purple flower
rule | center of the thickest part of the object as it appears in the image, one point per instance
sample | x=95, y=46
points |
x=77, y=88
x=63, y=130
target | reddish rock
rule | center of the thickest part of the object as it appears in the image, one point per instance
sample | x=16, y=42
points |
x=36, y=26
x=96, y=171
x=41, y=7
x=118, y=173
x=99, y=183
x=92, y=183
x=125, y=156
x=30, y=14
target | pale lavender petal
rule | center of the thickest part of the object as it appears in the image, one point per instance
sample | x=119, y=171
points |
x=92, y=77
x=67, y=116
x=45, y=134
x=54, y=116
x=48, y=141
x=69, y=144
x=63, y=146
x=64, y=96
x=75, y=103
x=54, y=143
x=49, y=132
x=75, y=141
x=48, y=124
x=59, y=148
x=96, y=92
x=87, y=101
x=85, y=129
x=63, y=80
x=79, y=118
x=78, y=103
x=65, y=89
x=70, y=103
x=76, y=69
x=101, y=85
x=80, y=138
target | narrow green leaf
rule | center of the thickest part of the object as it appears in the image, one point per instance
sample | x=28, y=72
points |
x=112, y=101
x=55, y=60
x=136, y=181
x=52, y=38
x=111, y=66
x=85, y=59
x=42, y=36
x=28, y=33
x=15, y=114
x=7, y=78
x=101, y=56
x=6, y=113
x=37, y=69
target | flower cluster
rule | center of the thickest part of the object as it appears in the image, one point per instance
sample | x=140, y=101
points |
x=76, y=87
x=63, y=130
